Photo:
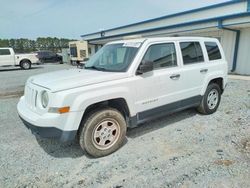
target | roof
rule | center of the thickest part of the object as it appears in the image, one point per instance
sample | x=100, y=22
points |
x=158, y=39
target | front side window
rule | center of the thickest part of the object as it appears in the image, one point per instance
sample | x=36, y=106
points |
x=191, y=52
x=4, y=52
x=162, y=55
x=213, y=51
x=114, y=57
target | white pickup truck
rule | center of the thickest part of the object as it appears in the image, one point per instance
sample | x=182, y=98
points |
x=9, y=58
x=125, y=84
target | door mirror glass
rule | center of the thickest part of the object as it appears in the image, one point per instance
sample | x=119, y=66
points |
x=145, y=66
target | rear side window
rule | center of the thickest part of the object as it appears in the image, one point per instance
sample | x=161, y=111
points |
x=163, y=55
x=191, y=52
x=213, y=51
x=4, y=52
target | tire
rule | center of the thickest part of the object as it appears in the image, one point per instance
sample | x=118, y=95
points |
x=25, y=64
x=42, y=61
x=211, y=100
x=78, y=63
x=103, y=132
x=74, y=63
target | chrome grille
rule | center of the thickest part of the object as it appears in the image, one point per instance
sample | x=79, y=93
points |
x=31, y=97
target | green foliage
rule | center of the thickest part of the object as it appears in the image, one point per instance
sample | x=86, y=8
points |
x=41, y=43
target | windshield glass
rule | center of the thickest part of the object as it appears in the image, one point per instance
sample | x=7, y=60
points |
x=113, y=57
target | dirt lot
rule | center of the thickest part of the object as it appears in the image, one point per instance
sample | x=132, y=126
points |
x=185, y=149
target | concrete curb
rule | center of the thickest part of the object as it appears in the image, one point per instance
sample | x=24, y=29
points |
x=239, y=77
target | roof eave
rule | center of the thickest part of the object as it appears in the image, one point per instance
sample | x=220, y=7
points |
x=177, y=25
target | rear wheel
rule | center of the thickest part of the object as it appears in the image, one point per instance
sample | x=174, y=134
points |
x=103, y=132
x=74, y=63
x=25, y=64
x=210, y=100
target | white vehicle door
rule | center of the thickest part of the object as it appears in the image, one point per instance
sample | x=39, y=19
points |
x=158, y=91
x=193, y=71
x=6, y=58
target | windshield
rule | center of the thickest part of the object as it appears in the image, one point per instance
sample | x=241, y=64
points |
x=113, y=57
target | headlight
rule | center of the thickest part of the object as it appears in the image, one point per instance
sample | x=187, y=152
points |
x=44, y=99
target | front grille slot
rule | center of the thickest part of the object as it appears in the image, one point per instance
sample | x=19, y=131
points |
x=36, y=98
x=31, y=97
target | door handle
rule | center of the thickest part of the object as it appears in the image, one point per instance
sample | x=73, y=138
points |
x=203, y=70
x=175, y=76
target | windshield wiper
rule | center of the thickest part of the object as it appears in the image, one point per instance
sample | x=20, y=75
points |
x=96, y=68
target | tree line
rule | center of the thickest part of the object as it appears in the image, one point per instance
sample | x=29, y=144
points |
x=23, y=45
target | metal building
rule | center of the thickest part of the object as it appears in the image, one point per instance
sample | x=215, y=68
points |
x=228, y=21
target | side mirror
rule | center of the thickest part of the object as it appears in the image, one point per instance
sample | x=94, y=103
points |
x=145, y=66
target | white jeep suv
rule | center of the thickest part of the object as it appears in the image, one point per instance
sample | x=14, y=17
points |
x=125, y=84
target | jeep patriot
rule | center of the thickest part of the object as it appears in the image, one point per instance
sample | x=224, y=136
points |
x=124, y=84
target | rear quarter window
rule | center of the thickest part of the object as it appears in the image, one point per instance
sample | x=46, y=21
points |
x=213, y=51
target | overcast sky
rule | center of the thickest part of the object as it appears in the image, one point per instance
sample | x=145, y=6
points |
x=72, y=18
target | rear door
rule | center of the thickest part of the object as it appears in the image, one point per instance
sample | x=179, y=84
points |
x=193, y=71
x=216, y=61
x=6, y=58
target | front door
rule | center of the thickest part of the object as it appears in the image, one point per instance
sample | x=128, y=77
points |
x=158, y=90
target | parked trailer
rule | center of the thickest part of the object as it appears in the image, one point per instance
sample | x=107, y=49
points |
x=78, y=51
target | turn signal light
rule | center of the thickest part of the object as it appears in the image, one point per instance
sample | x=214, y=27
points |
x=64, y=109
x=61, y=110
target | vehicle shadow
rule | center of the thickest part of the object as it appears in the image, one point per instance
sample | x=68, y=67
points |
x=4, y=69
x=159, y=123
x=57, y=149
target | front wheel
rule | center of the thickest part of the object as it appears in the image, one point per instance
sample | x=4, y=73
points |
x=211, y=99
x=103, y=132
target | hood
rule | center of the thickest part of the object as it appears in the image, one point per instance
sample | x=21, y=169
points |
x=73, y=78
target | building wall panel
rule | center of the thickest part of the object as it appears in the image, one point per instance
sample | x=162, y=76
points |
x=228, y=43
x=243, y=61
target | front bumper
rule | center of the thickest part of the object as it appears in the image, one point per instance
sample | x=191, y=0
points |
x=46, y=126
x=50, y=132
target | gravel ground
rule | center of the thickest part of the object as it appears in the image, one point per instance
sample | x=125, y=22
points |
x=184, y=149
